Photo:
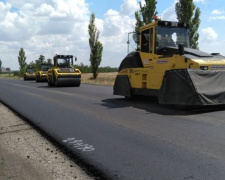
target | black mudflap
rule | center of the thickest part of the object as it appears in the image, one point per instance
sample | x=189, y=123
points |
x=122, y=86
x=132, y=60
x=193, y=87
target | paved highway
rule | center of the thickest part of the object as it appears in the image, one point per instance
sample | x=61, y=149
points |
x=126, y=140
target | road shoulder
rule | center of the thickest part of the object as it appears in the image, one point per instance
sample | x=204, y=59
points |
x=25, y=154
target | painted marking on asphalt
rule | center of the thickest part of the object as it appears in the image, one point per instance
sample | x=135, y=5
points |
x=78, y=144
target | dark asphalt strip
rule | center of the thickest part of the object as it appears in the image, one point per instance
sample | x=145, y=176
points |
x=127, y=140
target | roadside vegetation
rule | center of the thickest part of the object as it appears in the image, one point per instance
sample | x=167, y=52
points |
x=11, y=75
x=105, y=75
x=87, y=69
x=104, y=78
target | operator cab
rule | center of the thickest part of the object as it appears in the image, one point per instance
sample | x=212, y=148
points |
x=63, y=61
x=30, y=69
x=45, y=67
x=164, y=37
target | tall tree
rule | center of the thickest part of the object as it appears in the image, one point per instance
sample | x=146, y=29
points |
x=0, y=65
x=145, y=14
x=139, y=22
x=96, y=46
x=49, y=61
x=22, y=60
x=188, y=13
x=38, y=62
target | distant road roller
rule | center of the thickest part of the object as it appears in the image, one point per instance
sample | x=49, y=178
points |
x=63, y=72
x=41, y=76
x=166, y=67
x=29, y=74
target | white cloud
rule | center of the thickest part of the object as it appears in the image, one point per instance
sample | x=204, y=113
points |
x=218, y=15
x=112, y=23
x=12, y=26
x=116, y=26
x=208, y=34
x=43, y=28
x=129, y=7
x=61, y=27
x=19, y=4
x=99, y=24
x=4, y=10
x=217, y=18
x=170, y=14
x=217, y=12
x=200, y=1
x=211, y=42
x=44, y=10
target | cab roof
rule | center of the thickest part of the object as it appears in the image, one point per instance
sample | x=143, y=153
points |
x=164, y=24
x=63, y=56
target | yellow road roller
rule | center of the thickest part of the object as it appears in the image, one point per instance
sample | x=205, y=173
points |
x=166, y=67
x=29, y=74
x=63, y=73
x=41, y=76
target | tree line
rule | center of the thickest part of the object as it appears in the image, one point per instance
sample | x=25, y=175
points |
x=41, y=60
x=35, y=64
x=87, y=69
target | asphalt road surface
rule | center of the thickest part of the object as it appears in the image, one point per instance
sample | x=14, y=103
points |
x=122, y=139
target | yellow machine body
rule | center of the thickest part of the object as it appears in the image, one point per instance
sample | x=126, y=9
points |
x=63, y=73
x=29, y=74
x=165, y=62
x=41, y=76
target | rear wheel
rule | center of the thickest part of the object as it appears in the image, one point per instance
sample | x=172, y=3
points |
x=56, y=83
x=132, y=60
x=128, y=97
x=77, y=84
x=37, y=79
x=50, y=83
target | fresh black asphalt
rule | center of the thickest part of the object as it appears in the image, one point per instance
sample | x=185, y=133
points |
x=126, y=140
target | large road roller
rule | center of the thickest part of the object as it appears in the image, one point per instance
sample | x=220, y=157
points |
x=29, y=73
x=41, y=75
x=63, y=72
x=166, y=67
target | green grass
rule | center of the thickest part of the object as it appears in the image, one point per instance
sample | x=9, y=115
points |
x=9, y=76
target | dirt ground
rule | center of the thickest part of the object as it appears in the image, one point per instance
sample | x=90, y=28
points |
x=102, y=79
x=26, y=155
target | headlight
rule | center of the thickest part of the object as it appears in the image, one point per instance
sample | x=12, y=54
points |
x=204, y=68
